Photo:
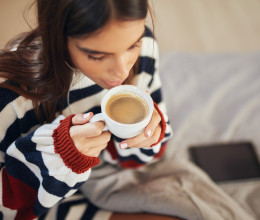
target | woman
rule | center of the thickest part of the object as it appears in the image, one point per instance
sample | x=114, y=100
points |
x=52, y=81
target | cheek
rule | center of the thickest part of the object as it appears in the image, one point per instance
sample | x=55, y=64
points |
x=92, y=70
x=133, y=57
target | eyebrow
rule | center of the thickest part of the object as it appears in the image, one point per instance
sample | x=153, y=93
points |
x=86, y=50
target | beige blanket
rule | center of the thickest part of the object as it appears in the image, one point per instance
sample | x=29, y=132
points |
x=175, y=188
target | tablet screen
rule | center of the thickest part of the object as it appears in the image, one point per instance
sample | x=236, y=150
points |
x=227, y=162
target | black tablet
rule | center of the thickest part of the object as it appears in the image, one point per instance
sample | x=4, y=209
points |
x=227, y=162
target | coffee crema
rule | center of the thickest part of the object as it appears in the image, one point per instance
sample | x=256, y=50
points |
x=127, y=108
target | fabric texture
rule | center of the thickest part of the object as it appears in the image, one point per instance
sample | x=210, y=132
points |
x=65, y=147
x=214, y=98
x=170, y=187
x=40, y=165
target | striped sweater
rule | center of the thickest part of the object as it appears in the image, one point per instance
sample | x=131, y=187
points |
x=40, y=166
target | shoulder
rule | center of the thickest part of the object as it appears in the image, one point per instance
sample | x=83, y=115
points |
x=148, y=32
x=19, y=103
x=16, y=113
x=7, y=96
x=149, y=54
x=149, y=45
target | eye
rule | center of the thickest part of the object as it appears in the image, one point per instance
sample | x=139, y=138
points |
x=138, y=44
x=90, y=57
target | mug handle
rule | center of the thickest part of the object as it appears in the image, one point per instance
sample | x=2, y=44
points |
x=99, y=117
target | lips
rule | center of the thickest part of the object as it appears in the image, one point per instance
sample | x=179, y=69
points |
x=114, y=83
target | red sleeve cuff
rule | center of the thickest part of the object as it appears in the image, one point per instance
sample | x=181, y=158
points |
x=64, y=146
x=163, y=125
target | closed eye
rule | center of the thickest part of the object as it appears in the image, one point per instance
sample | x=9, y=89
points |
x=136, y=45
x=90, y=57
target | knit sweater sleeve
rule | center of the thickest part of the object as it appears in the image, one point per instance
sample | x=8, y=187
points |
x=38, y=168
x=148, y=79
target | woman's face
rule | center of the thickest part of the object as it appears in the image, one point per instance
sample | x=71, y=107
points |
x=108, y=56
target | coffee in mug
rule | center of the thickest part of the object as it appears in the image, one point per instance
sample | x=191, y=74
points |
x=127, y=108
x=126, y=111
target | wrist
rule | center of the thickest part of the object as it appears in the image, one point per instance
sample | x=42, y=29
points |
x=64, y=146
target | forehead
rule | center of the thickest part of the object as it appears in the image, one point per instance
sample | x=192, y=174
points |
x=114, y=37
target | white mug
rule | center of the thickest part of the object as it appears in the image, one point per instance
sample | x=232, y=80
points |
x=121, y=130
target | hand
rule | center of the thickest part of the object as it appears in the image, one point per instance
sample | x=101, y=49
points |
x=88, y=137
x=147, y=138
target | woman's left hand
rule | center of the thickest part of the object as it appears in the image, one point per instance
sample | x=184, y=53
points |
x=148, y=137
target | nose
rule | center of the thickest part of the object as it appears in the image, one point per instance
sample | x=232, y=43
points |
x=120, y=69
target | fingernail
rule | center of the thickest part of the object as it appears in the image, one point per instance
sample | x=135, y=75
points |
x=86, y=115
x=148, y=133
x=123, y=146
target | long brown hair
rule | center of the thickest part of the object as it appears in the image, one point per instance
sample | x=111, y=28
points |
x=39, y=68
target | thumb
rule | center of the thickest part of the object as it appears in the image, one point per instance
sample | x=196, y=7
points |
x=80, y=119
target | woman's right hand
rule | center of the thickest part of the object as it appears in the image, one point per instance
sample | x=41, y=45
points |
x=89, y=138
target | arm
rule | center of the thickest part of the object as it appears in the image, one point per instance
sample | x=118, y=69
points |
x=40, y=168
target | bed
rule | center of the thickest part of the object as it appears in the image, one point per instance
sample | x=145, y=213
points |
x=213, y=98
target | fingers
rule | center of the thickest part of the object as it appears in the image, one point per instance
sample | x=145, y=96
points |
x=95, y=136
x=82, y=128
x=94, y=151
x=141, y=140
x=94, y=145
x=87, y=130
x=150, y=128
x=150, y=135
x=102, y=139
x=89, y=138
x=80, y=119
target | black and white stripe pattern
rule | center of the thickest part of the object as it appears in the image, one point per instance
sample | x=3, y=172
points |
x=27, y=148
